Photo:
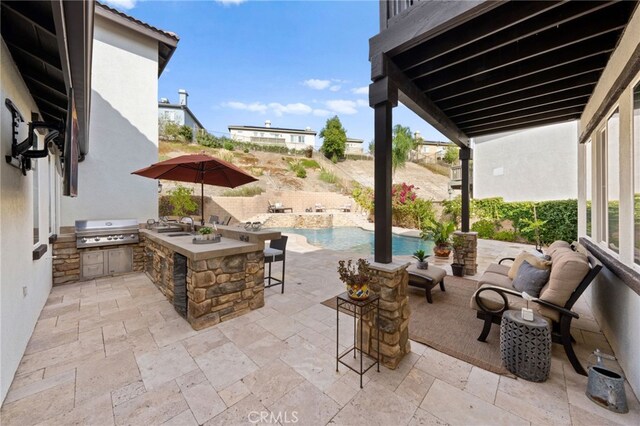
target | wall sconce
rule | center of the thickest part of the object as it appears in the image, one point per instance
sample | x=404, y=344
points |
x=159, y=187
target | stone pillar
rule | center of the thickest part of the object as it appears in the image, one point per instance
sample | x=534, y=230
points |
x=389, y=281
x=471, y=252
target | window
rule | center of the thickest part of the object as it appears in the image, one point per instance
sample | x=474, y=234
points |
x=636, y=173
x=613, y=182
x=589, y=182
x=36, y=202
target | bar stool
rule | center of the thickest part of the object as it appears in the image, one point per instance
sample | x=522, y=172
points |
x=276, y=252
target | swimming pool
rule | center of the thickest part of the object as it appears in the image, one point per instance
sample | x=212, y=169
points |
x=356, y=240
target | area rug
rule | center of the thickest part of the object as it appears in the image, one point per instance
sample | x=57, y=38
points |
x=450, y=326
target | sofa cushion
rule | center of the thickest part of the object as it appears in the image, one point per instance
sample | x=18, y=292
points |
x=532, y=259
x=530, y=279
x=491, y=278
x=499, y=269
x=569, y=269
x=557, y=245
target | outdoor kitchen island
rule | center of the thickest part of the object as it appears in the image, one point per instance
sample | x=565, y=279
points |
x=208, y=283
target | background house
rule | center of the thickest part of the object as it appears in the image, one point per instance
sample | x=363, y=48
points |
x=267, y=135
x=117, y=134
x=354, y=146
x=511, y=164
x=179, y=113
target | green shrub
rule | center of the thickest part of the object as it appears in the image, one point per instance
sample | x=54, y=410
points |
x=228, y=145
x=246, y=150
x=185, y=133
x=208, y=140
x=328, y=177
x=310, y=164
x=182, y=201
x=301, y=173
x=485, y=228
x=362, y=195
x=505, y=236
x=334, y=159
x=245, y=191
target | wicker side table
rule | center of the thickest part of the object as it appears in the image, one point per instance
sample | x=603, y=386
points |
x=525, y=346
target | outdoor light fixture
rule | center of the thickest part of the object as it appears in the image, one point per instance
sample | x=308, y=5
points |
x=159, y=187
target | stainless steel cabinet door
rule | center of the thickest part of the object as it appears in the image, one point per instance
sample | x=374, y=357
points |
x=120, y=260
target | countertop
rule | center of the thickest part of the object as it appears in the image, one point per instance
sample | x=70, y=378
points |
x=185, y=246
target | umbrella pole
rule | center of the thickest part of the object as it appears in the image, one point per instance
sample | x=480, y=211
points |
x=202, y=202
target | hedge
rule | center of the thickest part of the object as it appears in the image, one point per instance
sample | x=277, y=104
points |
x=561, y=217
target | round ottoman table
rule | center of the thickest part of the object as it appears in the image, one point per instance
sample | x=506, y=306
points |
x=525, y=346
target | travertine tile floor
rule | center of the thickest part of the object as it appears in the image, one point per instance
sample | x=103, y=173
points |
x=113, y=351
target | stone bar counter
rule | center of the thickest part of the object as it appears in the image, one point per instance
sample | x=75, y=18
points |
x=208, y=283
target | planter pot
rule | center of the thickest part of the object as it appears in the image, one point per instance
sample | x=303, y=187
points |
x=422, y=265
x=358, y=291
x=442, y=251
x=457, y=269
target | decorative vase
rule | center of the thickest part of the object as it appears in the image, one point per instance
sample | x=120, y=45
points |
x=422, y=265
x=442, y=251
x=358, y=291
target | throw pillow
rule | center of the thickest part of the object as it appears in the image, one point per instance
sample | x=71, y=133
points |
x=531, y=279
x=533, y=260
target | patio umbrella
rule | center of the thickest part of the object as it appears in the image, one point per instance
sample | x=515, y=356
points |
x=198, y=168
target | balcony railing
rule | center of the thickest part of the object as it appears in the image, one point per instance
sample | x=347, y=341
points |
x=392, y=8
x=456, y=172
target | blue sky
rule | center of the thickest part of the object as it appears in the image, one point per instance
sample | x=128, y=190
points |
x=295, y=63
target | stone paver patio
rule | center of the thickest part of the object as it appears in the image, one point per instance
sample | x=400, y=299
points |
x=114, y=351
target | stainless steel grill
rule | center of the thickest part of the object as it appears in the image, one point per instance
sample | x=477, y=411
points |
x=98, y=233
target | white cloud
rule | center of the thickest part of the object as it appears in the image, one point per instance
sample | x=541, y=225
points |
x=362, y=103
x=230, y=2
x=342, y=106
x=321, y=112
x=316, y=84
x=334, y=88
x=122, y=4
x=297, y=109
x=360, y=90
x=253, y=107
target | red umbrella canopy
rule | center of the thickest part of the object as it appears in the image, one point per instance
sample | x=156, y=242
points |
x=198, y=168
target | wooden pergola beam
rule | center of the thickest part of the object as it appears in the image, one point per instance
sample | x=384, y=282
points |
x=413, y=98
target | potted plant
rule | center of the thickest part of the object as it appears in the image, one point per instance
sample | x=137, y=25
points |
x=356, y=276
x=421, y=257
x=440, y=233
x=205, y=232
x=459, y=252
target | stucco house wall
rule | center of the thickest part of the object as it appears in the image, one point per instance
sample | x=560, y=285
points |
x=124, y=129
x=24, y=283
x=517, y=166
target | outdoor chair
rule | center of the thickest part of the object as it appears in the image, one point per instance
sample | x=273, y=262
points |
x=346, y=208
x=276, y=252
x=225, y=220
x=271, y=208
x=573, y=268
x=320, y=208
x=214, y=219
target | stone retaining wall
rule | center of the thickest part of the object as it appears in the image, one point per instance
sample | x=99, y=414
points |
x=309, y=220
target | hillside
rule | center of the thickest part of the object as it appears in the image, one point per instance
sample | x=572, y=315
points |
x=273, y=172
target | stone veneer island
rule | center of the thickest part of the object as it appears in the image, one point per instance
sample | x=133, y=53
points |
x=208, y=283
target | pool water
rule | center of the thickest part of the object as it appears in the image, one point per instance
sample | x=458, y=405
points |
x=357, y=240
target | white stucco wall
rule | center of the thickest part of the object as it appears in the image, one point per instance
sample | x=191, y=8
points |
x=246, y=135
x=24, y=283
x=534, y=164
x=123, y=132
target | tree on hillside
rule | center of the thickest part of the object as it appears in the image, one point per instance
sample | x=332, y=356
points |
x=402, y=144
x=334, y=138
x=451, y=155
x=372, y=148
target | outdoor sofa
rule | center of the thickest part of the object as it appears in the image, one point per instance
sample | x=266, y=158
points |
x=572, y=269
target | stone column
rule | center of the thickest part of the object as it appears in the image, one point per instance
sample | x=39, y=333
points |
x=471, y=254
x=390, y=282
